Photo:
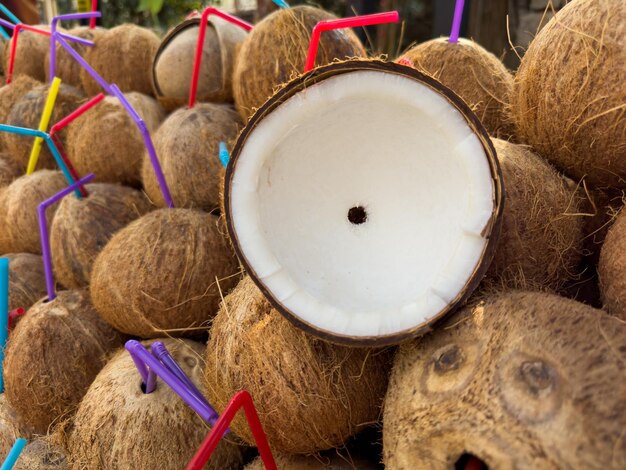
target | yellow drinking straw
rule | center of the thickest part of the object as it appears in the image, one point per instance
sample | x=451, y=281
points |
x=43, y=124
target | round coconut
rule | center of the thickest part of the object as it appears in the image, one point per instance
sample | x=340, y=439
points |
x=53, y=355
x=569, y=92
x=117, y=157
x=612, y=268
x=473, y=73
x=41, y=454
x=119, y=426
x=310, y=395
x=187, y=144
x=20, y=201
x=164, y=273
x=122, y=55
x=11, y=94
x=27, y=113
x=30, y=55
x=82, y=227
x=27, y=281
x=11, y=427
x=276, y=50
x=524, y=380
x=174, y=61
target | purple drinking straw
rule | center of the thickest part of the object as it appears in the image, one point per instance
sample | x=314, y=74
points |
x=43, y=231
x=456, y=22
x=83, y=63
x=69, y=37
x=53, y=40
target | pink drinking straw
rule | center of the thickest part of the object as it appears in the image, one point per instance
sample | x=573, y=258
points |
x=13, y=314
x=193, y=90
x=94, y=7
x=405, y=61
x=43, y=231
x=353, y=22
x=456, y=21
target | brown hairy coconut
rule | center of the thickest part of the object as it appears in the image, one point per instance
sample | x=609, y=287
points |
x=473, y=73
x=42, y=454
x=612, y=267
x=82, y=227
x=276, y=50
x=525, y=380
x=310, y=395
x=163, y=273
x=11, y=94
x=119, y=426
x=117, y=156
x=569, y=93
x=173, y=64
x=27, y=282
x=30, y=54
x=122, y=55
x=187, y=144
x=327, y=461
x=20, y=201
x=11, y=427
x=9, y=170
x=53, y=355
x=27, y=113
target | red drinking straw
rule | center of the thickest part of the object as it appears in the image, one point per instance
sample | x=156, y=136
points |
x=353, y=22
x=193, y=90
x=94, y=8
x=13, y=314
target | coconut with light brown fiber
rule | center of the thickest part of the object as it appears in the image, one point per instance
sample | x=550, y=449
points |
x=525, y=380
x=310, y=395
x=11, y=94
x=187, y=144
x=53, y=355
x=9, y=171
x=569, y=92
x=42, y=454
x=163, y=273
x=612, y=267
x=117, y=425
x=106, y=141
x=11, y=427
x=27, y=282
x=30, y=54
x=122, y=55
x=276, y=49
x=82, y=227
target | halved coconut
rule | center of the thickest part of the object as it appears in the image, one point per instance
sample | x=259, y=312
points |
x=364, y=199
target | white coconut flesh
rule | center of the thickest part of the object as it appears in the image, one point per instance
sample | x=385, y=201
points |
x=361, y=204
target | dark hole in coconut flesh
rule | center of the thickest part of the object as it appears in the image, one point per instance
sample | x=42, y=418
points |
x=143, y=387
x=357, y=215
x=470, y=462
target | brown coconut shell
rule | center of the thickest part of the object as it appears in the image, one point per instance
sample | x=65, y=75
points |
x=30, y=54
x=187, y=144
x=612, y=268
x=164, y=273
x=122, y=55
x=53, y=355
x=82, y=227
x=27, y=112
x=174, y=61
x=119, y=426
x=310, y=395
x=11, y=427
x=525, y=380
x=276, y=49
x=27, y=281
x=42, y=454
x=9, y=95
x=473, y=73
x=117, y=156
x=569, y=93
x=20, y=201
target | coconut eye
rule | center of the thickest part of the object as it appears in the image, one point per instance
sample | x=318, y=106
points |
x=450, y=368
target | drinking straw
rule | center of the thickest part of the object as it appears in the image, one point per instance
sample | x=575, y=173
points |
x=193, y=89
x=456, y=21
x=13, y=314
x=70, y=168
x=405, y=61
x=83, y=63
x=353, y=22
x=243, y=400
x=43, y=124
x=224, y=155
x=281, y=3
x=43, y=231
x=4, y=34
x=14, y=454
x=92, y=20
x=9, y=14
x=4, y=313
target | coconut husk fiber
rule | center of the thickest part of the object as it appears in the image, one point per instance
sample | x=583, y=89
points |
x=53, y=355
x=174, y=61
x=612, y=268
x=310, y=395
x=473, y=73
x=525, y=380
x=327, y=461
x=106, y=141
x=569, y=92
x=119, y=426
x=30, y=54
x=42, y=454
x=27, y=281
x=11, y=94
x=187, y=144
x=164, y=273
x=27, y=112
x=9, y=170
x=276, y=50
x=11, y=427
x=122, y=55
x=82, y=227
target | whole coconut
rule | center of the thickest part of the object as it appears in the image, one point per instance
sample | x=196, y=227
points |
x=310, y=395
x=27, y=281
x=612, y=268
x=30, y=54
x=276, y=50
x=163, y=273
x=11, y=94
x=525, y=380
x=53, y=355
x=11, y=427
x=122, y=55
x=116, y=158
x=82, y=227
x=119, y=426
x=569, y=93
x=187, y=144
x=41, y=454
x=473, y=73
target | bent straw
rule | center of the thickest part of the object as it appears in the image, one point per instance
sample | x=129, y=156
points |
x=456, y=21
x=43, y=231
x=11, y=16
x=94, y=7
x=14, y=454
x=83, y=63
x=4, y=313
x=43, y=124
x=13, y=314
x=281, y=3
x=193, y=89
x=224, y=155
